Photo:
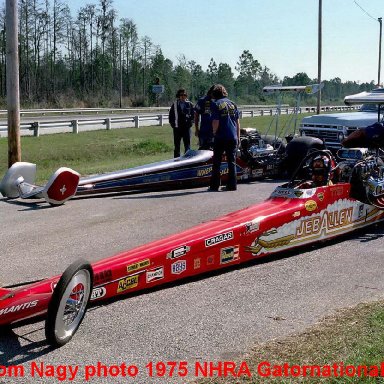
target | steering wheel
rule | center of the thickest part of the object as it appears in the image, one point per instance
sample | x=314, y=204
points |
x=302, y=172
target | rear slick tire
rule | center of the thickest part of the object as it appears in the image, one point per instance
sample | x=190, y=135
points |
x=69, y=303
x=297, y=149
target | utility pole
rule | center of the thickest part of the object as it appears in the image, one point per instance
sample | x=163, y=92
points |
x=319, y=49
x=379, y=70
x=121, y=76
x=12, y=74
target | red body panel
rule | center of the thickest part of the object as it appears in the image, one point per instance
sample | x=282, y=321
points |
x=289, y=219
x=62, y=187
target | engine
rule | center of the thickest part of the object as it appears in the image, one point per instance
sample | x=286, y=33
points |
x=367, y=181
x=261, y=153
x=252, y=146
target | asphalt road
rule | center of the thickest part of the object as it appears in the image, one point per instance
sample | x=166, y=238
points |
x=215, y=318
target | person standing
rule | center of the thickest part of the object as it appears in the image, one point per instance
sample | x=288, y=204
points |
x=226, y=133
x=203, y=116
x=181, y=118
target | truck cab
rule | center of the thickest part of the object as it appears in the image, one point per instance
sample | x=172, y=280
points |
x=333, y=128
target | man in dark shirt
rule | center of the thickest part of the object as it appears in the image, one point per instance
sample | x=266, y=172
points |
x=203, y=116
x=180, y=118
x=226, y=132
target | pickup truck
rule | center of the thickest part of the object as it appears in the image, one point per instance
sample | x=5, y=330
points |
x=332, y=128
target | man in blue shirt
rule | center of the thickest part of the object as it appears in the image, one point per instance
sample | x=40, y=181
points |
x=203, y=116
x=226, y=133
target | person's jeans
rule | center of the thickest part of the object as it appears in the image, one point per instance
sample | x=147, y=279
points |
x=229, y=147
x=178, y=134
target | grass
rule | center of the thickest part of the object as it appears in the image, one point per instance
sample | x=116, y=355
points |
x=103, y=151
x=93, y=152
x=352, y=337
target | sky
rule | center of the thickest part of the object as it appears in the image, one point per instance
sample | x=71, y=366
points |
x=281, y=34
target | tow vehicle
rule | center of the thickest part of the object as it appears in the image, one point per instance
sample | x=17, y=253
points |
x=333, y=128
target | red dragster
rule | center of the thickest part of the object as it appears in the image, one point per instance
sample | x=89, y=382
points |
x=323, y=200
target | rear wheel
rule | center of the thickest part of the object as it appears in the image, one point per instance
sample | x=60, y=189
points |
x=297, y=149
x=68, y=304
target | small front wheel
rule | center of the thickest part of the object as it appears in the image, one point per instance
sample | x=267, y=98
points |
x=68, y=304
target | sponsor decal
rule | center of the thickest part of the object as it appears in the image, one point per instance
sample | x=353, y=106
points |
x=179, y=267
x=245, y=174
x=338, y=217
x=20, y=307
x=320, y=196
x=310, y=205
x=282, y=192
x=102, y=277
x=155, y=274
x=98, y=293
x=251, y=227
x=219, y=239
x=156, y=179
x=229, y=254
x=257, y=172
x=325, y=222
x=336, y=191
x=208, y=170
x=361, y=210
x=139, y=265
x=210, y=260
x=204, y=172
x=287, y=192
x=224, y=171
x=127, y=283
x=178, y=252
x=197, y=263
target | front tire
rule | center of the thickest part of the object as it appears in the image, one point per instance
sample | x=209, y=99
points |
x=68, y=304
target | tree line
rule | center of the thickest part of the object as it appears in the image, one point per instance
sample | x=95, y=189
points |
x=96, y=59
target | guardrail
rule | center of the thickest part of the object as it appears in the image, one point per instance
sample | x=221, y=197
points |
x=110, y=111
x=74, y=125
x=136, y=120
